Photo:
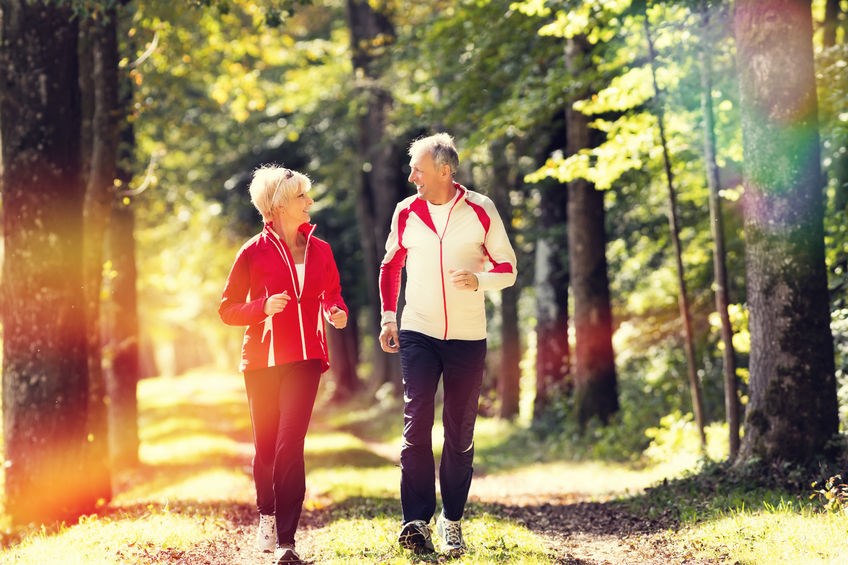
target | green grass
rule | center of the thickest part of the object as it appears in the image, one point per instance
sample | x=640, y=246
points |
x=192, y=497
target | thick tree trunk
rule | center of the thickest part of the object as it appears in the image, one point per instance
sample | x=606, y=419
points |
x=45, y=377
x=102, y=42
x=509, y=376
x=792, y=412
x=380, y=183
x=596, y=388
x=731, y=392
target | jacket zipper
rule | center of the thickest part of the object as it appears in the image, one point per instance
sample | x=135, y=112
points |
x=297, y=286
x=442, y=265
x=300, y=286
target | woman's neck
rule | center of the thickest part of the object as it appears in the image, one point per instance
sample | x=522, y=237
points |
x=287, y=231
x=290, y=235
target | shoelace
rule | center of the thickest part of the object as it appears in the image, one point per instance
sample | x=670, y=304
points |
x=453, y=534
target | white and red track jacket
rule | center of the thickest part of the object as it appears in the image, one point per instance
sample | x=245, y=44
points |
x=474, y=238
x=265, y=266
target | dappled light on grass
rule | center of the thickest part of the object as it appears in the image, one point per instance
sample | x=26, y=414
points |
x=116, y=539
x=775, y=535
x=491, y=540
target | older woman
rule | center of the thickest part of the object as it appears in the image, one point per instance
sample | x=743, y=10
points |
x=283, y=281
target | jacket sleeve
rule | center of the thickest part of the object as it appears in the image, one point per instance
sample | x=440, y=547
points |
x=499, y=253
x=332, y=287
x=390, y=271
x=236, y=308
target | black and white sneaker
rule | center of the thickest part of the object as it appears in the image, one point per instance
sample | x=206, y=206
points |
x=451, y=533
x=415, y=535
x=287, y=556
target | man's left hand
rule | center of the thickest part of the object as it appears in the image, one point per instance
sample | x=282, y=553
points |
x=463, y=280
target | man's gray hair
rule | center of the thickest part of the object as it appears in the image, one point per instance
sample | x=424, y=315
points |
x=440, y=146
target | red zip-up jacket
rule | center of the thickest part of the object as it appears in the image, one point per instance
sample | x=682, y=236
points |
x=265, y=266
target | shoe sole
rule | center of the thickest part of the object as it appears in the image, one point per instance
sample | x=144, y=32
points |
x=415, y=542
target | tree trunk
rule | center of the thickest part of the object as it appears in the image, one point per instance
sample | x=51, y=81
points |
x=553, y=355
x=102, y=41
x=596, y=394
x=344, y=354
x=792, y=411
x=831, y=22
x=839, y=166
x=45, y=377
x=121, y=333
x=674, y=228
x=380, y=183
x=509, y=376
x=551, y=280
x=731, y=393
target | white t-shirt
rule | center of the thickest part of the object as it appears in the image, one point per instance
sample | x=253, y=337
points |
x=440, y=213
x=299, y=267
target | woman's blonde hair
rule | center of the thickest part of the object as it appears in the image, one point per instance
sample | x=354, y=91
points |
x=272, y=186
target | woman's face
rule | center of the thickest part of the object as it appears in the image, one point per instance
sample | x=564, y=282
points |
x=295, y=210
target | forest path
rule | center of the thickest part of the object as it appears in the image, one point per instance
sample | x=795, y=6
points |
x=196, y=449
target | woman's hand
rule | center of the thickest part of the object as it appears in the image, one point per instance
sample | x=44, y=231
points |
x=275, y=303
x=338, y=317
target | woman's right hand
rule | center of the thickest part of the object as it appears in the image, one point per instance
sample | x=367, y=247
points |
x=275, y=303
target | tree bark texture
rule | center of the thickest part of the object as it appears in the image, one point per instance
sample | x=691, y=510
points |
x=596, y=387
x=792, y=411
x=381, y=182
x=45, y=376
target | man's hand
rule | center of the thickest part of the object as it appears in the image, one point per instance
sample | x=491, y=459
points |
x=462, y=279
x=389, y=338
x=338, y=317
x=275, y=303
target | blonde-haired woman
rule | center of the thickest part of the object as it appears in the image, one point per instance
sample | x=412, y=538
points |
x=283, y=281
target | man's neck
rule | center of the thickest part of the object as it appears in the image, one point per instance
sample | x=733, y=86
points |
x=444, y=196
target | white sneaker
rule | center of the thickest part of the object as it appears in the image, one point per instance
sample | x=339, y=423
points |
x=286, y=555
x=451, y=533
x=266, y=533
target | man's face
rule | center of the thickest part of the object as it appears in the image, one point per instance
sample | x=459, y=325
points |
x=424, y=174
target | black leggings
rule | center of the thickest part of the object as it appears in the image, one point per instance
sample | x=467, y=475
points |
x=281, y=400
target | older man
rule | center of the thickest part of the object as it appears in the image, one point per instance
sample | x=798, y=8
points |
x=453, y=244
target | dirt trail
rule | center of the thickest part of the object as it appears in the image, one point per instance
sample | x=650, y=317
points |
x=577, y=530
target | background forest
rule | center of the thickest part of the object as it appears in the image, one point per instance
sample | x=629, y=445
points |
x=339, y=90
x=626, y=143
